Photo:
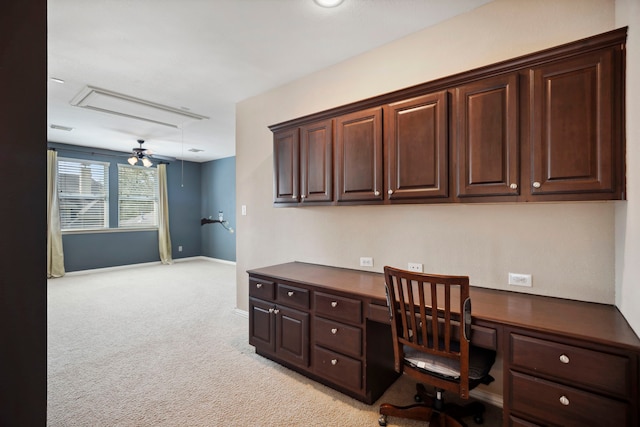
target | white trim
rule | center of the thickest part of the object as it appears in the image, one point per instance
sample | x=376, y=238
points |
x=242, y=313
x=486, y=397
x=116, y=267
x=222, y=261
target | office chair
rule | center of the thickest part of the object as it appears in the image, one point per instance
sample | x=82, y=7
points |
x=431, y=330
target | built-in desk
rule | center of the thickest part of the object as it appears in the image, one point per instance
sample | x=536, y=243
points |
x=565, y=362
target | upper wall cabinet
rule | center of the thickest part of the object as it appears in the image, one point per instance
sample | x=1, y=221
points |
x=575, y=142
x=286, y=166
x=548, y=126
x=416, y=138
x=303, y=164
x=486, y=137
x=359, y=156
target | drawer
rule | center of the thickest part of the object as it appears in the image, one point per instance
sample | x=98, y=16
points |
x=262, y=289
x=594, y=369
x=342, y=370
x=562, y=405
x=338, y=308
x=293, y=296
x=517, y=422
x=379, y=313
x=338, y=336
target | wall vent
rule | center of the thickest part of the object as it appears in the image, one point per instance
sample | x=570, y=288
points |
x=107, y=101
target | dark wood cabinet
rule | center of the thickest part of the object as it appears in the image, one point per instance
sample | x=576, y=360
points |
x=316, y=162
x=574, y=138
x=286, y=166
x=485, y=129
x=303, y=164
x=276, y=328
x=359, y=156
x=416, y=137
x=548, y=126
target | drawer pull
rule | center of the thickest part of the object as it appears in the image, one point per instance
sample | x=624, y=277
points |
x=564, y=400
x=290, y=293
x=334, y=331
x=564, y=358
x=334, y=304
x=335, y=362
x=271, y=310
x=258, y=285
x=276, y=311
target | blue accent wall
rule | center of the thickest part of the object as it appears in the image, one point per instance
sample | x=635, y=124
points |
x=84, y=251
x=219, y=194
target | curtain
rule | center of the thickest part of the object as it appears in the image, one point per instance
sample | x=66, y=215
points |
x=55, y=255
x=164, y=237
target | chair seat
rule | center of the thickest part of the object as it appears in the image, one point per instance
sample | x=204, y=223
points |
x=480, y=362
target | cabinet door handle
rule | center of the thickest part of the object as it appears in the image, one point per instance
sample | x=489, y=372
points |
x=513, y=186
x=294, y=197
x=290, y=293
x=271, y=310
x=334, y=331
x=536, y=184
x=276, y=311
x=258, y=285
x=564, y=400
x=334, y=304
x=564, y=358
x=390, y=192
x=303, y=196
x=335, y=362
x=376, y=193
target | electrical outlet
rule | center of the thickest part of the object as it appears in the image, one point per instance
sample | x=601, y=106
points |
x=415, y=266
x=179, y=248
x=244, y=209
x=520, y=279
x=366, y=261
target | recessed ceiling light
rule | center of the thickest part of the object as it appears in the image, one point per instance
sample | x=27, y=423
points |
x=328, y=3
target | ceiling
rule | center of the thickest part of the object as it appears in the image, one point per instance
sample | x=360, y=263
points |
x=204, y=56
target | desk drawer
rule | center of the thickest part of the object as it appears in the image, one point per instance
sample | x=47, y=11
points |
x=293, y=296
x=262, y=289
x=338, y=336
x=561, y=405
x=340, y=369
x=596, y=370
x=338, y=308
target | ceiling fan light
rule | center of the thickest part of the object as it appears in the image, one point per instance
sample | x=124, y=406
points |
x=132, y=160
x=146, y=162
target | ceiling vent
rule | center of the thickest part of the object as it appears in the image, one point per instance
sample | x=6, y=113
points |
x=106, y=101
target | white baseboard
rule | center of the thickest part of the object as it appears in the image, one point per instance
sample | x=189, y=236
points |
x=242, y=313
x=143, y=264
x=222, y=261
x=486, y=397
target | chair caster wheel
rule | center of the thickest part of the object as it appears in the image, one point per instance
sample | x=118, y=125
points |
x=478, y=419
x=382, y=421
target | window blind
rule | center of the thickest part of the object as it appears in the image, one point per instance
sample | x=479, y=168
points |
x=137, y=196
x=83, y=192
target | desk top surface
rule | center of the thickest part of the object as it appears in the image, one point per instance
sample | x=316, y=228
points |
x=594, y=322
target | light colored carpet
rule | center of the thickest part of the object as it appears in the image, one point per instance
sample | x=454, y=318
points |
x=161, y=345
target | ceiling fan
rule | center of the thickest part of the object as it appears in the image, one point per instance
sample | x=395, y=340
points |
x=144, y=155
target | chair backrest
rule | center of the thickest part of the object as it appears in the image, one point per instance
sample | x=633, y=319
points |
x=430, y=314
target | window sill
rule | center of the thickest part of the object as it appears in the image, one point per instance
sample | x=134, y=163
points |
x=111, y=230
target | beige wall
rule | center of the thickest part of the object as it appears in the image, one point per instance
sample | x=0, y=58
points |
x=568, y=248
x=628, y=213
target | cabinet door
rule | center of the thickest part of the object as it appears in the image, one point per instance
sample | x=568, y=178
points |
x=261, y=325
x=417, y=149
x=286, y=166
x=316, y=162
x=292, y=335
x=487, y=145
x=572, y=129
x=359, y=156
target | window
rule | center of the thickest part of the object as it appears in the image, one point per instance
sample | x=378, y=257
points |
x=137, y=196
x=83, y=192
